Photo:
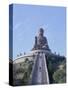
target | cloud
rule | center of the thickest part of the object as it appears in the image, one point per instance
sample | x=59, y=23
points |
x=17, y=26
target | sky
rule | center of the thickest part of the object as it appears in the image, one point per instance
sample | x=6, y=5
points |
x=27, y=19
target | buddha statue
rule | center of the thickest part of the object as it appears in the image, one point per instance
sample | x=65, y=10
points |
x=41, y=41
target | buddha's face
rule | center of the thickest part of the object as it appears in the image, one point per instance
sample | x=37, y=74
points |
x=41, y=32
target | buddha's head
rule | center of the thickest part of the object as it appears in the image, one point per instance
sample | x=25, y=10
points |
x=41, y=32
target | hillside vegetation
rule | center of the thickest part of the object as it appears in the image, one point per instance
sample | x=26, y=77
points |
x=56, y=69
x=56, y=65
